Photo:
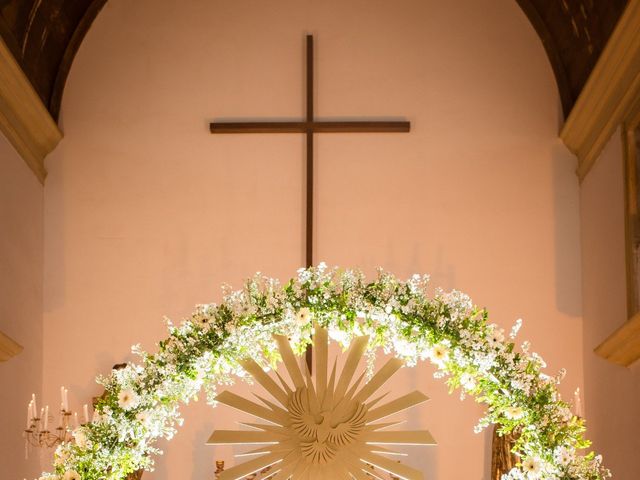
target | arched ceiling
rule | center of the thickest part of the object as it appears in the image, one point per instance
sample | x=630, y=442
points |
x=44, y=36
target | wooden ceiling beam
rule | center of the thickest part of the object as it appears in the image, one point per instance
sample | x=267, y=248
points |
x=609, y=94
x=24, y=119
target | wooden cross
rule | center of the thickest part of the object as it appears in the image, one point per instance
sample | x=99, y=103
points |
x=309, y=126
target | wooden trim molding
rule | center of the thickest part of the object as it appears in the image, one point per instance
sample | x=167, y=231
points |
x=8, y=348
x=623, y=346
x=608, y=95
x=24, y=119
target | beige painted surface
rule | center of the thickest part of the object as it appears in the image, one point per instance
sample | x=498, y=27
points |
x=612, y=393
x=146, y=213
x=21, y=246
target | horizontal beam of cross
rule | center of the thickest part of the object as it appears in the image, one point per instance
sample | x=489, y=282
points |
x=314, y=127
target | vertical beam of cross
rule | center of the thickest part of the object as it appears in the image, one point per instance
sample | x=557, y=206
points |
x=309, y=126
x=310, y=166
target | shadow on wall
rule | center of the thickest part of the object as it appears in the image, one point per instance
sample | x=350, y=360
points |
x=567, y=231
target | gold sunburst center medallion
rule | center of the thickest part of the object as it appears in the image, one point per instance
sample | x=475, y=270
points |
x=325, y=426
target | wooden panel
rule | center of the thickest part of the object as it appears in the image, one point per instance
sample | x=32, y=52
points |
x=623, y=346
x=8, y=348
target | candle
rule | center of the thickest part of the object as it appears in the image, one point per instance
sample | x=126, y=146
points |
x=66, y=399
x=28, y=415
x=62, y=397
x=577, y=403
x=35, y=408
x=75, y=419
x=85, y=409
x=46, y=418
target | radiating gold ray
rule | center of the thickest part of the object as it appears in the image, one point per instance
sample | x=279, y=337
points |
x=400, y=470
x=285, y=386
x=349, y=395
x=321, y=351
x=278, y=410
x=398, y=405
x=289, y=360
x=327, y=401
x=400, y=437
x=247, y=468
x=256, y=371
x=244, y=405
x=356, y=351
x=355, y=466
x=372, y=427
x=236, y=437
x=379, y=379
x=386, y=451
x=311, y=392
x=283, y=447
x=265, y=426
x=376, y=400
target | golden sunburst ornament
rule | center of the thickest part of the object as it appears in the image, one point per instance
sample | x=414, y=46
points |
x=323, y=429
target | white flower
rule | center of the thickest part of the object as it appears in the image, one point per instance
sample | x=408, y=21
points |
x=128, y=399
x=81, y=438
x=303, y=316
x=71, y=475
x=61, y=455
x=531, y=466
x=564, y=455
x=496, y=336
x=339, y=336
x=439, y=354
x=467, y=381
x=513, y=413
x=143, y=417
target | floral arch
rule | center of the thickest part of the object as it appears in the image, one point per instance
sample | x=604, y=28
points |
x=141, y=402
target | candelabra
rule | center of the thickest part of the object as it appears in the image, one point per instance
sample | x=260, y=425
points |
x=40, y=434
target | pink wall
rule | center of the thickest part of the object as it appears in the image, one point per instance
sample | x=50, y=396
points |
x=21, y=248
x=612, y=392
x=146, y=213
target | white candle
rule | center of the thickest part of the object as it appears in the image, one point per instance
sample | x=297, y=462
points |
x=75, y=419
x=46, y=417
x=85, y=409
x=28, y=415
x=577, y=403
x=62, y=397
x=35, y=408
x=66, y=400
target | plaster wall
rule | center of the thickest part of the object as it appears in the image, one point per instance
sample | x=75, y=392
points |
x=611, y=391
x=21, y=264
x=147, y=213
